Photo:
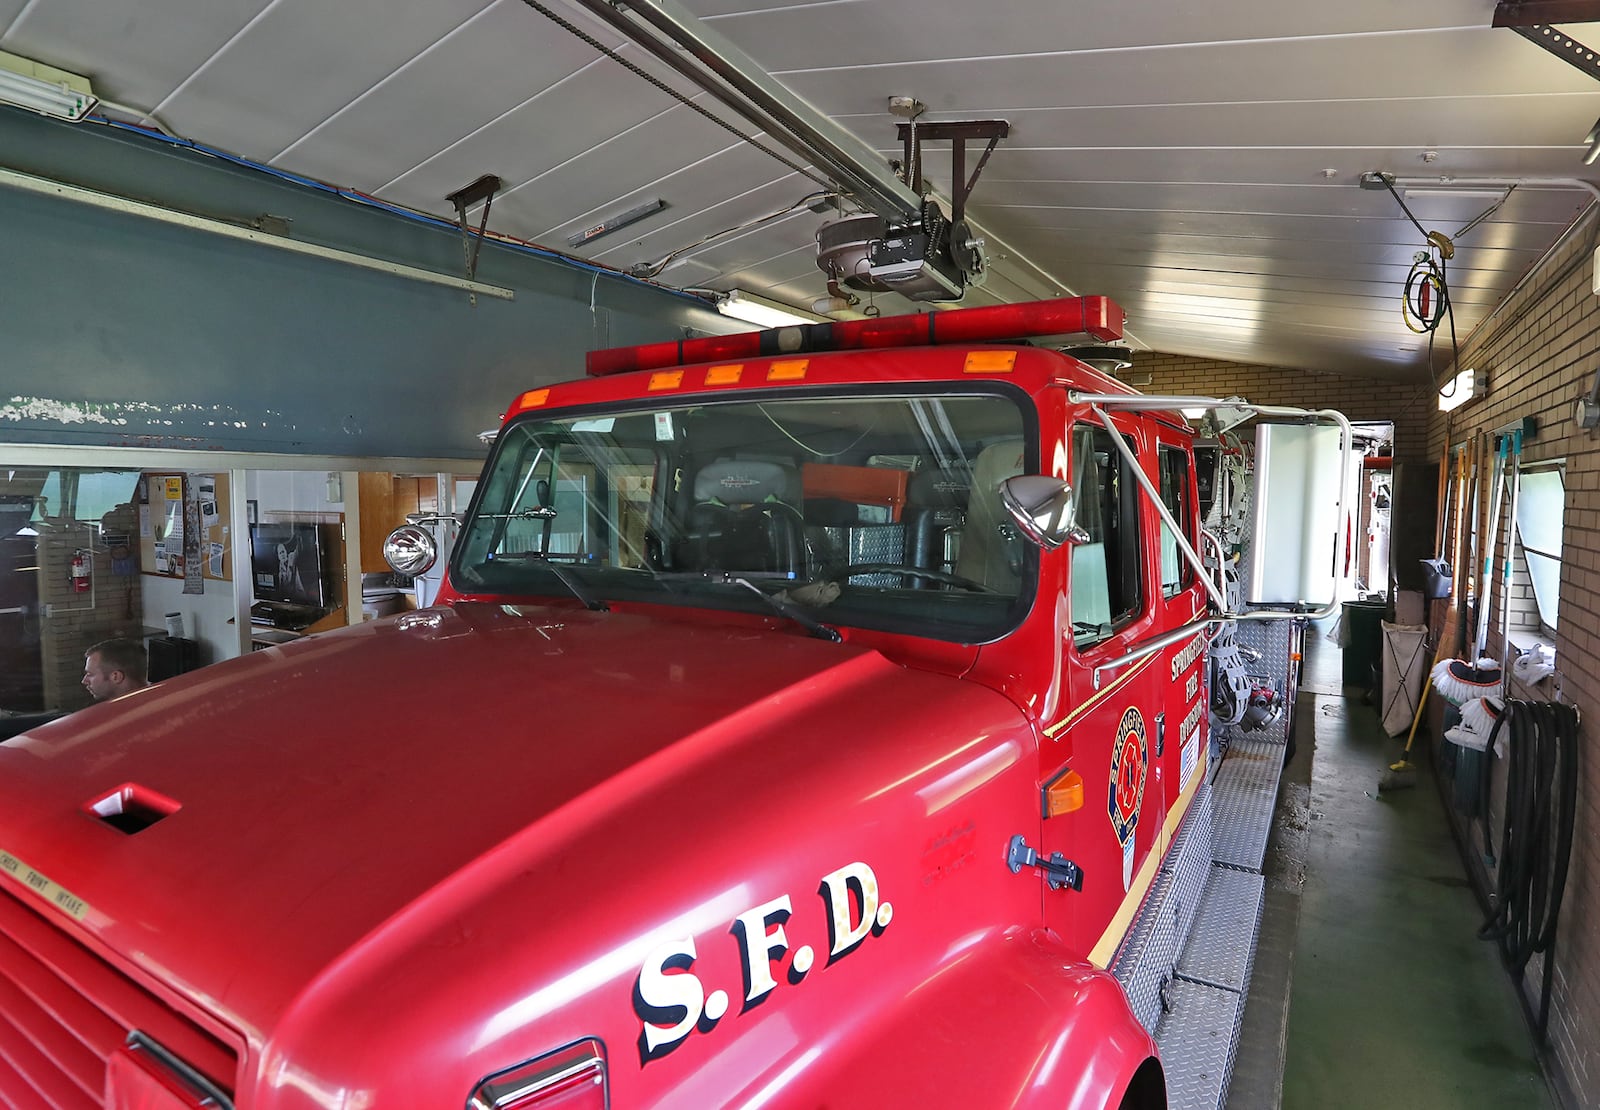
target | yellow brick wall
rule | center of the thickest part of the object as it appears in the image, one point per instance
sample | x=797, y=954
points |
x=1540, y=352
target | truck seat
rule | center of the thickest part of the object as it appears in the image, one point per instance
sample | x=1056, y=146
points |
x=936, y=514
x=991, y=548
x=743, y=519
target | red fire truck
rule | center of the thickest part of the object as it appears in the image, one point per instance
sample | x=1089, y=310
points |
x=811, y=717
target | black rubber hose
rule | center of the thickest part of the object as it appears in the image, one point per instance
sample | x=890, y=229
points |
x=1536, y=840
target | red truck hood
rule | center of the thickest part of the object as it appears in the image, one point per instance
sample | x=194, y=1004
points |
x=324, y=786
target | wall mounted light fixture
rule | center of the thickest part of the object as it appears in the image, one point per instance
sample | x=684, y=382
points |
x=1462, y=388
x=43, y=89
x=763, y=312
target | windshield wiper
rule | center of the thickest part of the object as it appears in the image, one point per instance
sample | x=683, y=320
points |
x=570, y=581
x=532, y=512
x=776, y=604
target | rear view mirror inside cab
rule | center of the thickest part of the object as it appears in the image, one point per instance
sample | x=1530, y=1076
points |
x=1043, y=509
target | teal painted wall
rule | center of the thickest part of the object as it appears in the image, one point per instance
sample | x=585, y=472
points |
x=116, y=330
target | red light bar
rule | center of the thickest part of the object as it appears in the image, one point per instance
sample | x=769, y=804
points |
x=1099, y=317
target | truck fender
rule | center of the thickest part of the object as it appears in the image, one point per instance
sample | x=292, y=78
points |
x=1011, y=1020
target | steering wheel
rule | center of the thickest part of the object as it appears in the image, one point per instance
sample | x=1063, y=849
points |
x=941, y=576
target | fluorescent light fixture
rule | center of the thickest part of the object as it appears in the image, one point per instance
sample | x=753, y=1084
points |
x=1463, y=193
x=42, y=89
x=762, y=312
x=616, y=222
x=1462, y=389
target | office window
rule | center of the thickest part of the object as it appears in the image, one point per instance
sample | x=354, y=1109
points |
x=1541, y=504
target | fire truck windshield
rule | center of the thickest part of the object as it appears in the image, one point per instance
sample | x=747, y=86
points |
x=875, y=510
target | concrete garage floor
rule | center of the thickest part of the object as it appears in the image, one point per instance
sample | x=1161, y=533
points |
x=1371, y=989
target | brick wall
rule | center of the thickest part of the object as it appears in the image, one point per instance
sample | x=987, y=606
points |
x=1540, y=352
x=1524, y=607
x=1403, y=402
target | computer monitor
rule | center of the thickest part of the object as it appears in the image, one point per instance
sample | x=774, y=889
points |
x=288, y=564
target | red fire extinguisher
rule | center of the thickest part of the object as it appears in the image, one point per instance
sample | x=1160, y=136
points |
x=82, y=571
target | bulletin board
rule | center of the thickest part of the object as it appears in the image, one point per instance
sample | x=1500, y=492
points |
x=162, y=525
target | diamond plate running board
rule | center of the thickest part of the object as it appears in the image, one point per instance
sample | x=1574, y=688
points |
x=1148, y=958
x=1200, y=994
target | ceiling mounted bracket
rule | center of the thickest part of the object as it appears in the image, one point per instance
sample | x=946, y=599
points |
x=692, y=47
x=480, y=191
x=913, y=135
x=1532, y=20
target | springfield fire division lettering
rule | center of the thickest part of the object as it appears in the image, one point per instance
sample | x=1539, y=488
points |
x=1190, y=739
x=672, y=1002
x=1187, y=657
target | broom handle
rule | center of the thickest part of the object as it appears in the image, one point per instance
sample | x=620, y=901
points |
x=1481, y=643
x=1444, y=496
x=1514, y=479
x=1427, y=681
x=1461, y=560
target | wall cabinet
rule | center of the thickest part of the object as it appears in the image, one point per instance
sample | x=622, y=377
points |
x=385, y=501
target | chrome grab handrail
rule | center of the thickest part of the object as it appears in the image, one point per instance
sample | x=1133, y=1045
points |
x=1101, y=404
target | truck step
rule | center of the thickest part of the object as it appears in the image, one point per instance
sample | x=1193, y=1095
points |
x=1149, y=955
x=1198, y=1038
x=1201, y=1002
x=1244, y=795
x=1222, y=945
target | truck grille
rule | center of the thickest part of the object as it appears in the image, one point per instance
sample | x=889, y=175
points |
x=64, y=1011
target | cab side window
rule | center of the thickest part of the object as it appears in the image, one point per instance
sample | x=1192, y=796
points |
x=1176, y=574
x=1106, y=571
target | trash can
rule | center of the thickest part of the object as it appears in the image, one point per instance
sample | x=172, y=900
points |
x=1363, y=640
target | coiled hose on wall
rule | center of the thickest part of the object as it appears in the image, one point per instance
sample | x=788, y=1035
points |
x=1536, y=837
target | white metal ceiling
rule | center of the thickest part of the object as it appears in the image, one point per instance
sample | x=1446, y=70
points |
x=1198, y=163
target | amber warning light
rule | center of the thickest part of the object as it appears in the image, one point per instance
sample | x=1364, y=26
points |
x=1099, y=317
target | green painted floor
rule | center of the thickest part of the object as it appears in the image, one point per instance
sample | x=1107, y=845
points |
x=1393, y=1001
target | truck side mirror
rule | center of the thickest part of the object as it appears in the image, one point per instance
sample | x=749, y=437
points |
x=410, y=549
x=1043, y=509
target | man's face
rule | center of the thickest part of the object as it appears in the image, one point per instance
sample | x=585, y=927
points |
x=101, y=680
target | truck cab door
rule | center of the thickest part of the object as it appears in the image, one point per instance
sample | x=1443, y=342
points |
x=1106, y=731
x=1183, y=599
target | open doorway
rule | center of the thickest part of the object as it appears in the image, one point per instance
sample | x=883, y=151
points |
x=1371, y=563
